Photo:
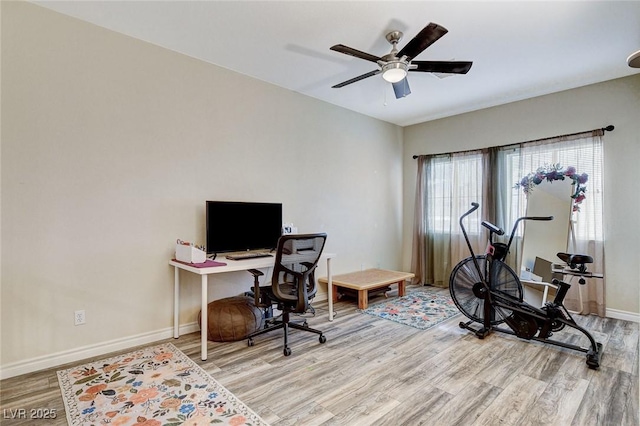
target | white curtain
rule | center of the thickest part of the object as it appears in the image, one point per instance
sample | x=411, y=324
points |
x=585, y=153
x=448, y=183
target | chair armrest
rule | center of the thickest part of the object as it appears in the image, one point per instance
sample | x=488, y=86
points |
x=256, y=286
x=255, y=272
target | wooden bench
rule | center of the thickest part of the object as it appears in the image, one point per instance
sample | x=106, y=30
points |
x=369, y=279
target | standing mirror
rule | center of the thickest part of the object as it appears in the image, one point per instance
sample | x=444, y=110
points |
x=544, y=239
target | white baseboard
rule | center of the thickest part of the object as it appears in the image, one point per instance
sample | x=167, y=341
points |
x=77, y=354
x=622, y=315
x=73, y=355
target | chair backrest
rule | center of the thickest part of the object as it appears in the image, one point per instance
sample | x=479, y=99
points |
x=293, y=282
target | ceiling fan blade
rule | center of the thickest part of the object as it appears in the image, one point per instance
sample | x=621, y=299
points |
x=358, y=78
x=354, y=52
x=401, y=88
x=450, y=67
x=425, y=38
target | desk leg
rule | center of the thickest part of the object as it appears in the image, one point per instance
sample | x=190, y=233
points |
x=581, y=301
x=176, y=302
x=204, y=320
x=330, y=289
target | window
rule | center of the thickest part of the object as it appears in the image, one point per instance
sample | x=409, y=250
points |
x=585, y=156
x=453, y=183
x=449, y=183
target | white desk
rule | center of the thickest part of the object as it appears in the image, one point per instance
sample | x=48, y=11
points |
x=564, y=271
x=535, y=285
x=231, y=266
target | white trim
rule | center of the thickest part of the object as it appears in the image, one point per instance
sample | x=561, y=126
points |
x=622, y=315
x=77, y=354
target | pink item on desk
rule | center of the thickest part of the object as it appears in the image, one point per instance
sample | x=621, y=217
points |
x=206, y=264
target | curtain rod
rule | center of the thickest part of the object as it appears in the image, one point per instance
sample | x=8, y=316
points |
x=609, y=128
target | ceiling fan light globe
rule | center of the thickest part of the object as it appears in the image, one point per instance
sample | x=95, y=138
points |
x=394, y=72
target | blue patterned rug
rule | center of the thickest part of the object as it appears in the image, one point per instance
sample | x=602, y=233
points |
x=421, y=309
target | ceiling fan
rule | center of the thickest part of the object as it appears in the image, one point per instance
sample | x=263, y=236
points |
x=395, y=65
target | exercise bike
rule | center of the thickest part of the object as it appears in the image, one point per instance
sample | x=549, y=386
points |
x=487, y=291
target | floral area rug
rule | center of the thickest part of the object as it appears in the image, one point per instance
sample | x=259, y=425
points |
x=154, y=386
x=420, y=309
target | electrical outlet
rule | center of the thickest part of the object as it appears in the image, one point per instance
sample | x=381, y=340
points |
x=79, y=317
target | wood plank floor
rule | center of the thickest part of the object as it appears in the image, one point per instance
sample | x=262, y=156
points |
x=374, y=371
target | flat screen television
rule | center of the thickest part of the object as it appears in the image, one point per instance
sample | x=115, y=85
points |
x=241, y=226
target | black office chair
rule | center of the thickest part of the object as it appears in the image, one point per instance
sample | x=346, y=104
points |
x=293, y=283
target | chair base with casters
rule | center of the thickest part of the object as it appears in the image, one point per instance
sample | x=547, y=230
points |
x=293, y=285
x=285, y=324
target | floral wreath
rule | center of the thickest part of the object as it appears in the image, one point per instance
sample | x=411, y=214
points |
x=556, y=172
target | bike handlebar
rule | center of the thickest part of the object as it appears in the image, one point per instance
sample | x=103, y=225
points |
x=493, y=228
x=537, y=218
x=474, y=208
x=515, y=225
x=466, y=237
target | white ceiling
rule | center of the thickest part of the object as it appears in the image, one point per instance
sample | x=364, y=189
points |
x=519, y=49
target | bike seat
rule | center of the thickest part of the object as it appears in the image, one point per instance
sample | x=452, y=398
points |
x=575, y=259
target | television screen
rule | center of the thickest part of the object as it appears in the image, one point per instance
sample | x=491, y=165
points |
x=241, y=226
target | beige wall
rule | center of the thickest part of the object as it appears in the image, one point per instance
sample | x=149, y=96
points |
x=110, y=147
x=614, y=102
